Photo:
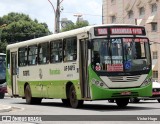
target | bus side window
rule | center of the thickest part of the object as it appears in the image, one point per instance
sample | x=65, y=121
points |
x=32, y=54
x=70, y=49
x=43, y=53
x=22, y=59
x=56, y=51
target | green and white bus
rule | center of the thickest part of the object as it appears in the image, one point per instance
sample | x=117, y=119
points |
x=102, y=62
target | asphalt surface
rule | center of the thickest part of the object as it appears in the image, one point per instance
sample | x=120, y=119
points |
x=5, y=108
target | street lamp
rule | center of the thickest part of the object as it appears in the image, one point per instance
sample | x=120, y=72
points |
x=78, y=15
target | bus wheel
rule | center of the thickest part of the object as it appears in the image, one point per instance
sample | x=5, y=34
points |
x=158, y=100
x=73, y=98
x=29, y=98
x=65, y=102
x=28, y=95
x=122, y=102
x=1, y=95
x=134, y=100
x=111, y=100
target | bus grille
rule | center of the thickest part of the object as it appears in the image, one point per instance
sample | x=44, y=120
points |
x=124, y=78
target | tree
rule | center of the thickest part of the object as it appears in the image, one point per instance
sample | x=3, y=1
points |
x=20, y=27
x=2, y=47
x=72, y=26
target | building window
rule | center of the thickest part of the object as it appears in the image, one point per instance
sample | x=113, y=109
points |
x=155, y=75
x=154, y=8
x=155, y=55
x=113, y=19
x=141, y=11
x=130, y=14
x=113, y=1
x=154, y=27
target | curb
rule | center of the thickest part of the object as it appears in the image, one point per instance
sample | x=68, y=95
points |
x=5, y=108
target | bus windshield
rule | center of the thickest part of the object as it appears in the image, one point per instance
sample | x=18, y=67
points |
x=121, y=54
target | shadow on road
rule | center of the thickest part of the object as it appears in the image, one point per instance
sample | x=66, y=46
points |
x=100, y=107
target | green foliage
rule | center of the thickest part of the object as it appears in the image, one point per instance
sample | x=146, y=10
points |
x=20, y=27
x=72, y=26
x=3, y=46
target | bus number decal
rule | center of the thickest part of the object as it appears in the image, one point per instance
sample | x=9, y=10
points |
x=26, y=73
x=69, y=68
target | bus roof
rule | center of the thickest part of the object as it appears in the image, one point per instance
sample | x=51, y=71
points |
x=62, y=35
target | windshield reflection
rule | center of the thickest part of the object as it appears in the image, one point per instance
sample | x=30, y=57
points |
x=121, y=54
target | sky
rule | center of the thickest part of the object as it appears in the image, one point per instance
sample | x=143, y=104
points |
x=42, y=10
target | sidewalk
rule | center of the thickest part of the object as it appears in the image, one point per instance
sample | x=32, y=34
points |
x=5, y=108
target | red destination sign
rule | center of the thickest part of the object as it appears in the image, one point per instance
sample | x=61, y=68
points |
x=124, y=31
x=102, y=31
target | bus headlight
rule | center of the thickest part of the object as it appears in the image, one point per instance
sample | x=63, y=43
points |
x=99, y=83
x=146, y=82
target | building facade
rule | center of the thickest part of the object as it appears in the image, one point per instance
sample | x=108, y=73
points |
x=139, y=12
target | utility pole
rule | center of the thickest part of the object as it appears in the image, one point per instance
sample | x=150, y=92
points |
x=57, y=17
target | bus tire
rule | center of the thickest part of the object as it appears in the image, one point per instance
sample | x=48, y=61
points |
x=158, y=100
x=134, y=100
x=111, y=100
x=74, y=103
x=29, y=98
x=65, y=102
x=2, y=95
x=122, y=102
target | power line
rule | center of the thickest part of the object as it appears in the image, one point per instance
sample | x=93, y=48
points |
x=84, y=14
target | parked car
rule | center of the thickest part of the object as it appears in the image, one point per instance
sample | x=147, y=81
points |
x=3, y=90
x=155, y=94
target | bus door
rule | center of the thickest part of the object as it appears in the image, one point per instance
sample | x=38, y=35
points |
x=14, y=73
x=83, y=68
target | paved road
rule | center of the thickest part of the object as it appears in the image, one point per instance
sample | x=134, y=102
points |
x=142, y=110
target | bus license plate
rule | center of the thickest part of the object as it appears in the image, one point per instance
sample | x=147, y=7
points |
x=126, y=93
